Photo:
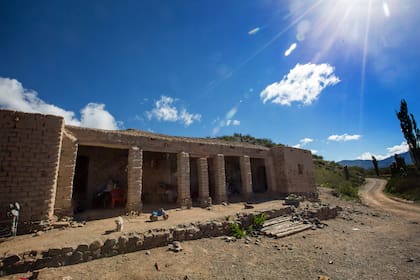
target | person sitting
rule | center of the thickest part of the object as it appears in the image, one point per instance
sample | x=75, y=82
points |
x=104, y=194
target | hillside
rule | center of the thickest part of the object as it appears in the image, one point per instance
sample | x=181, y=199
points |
x=331, y=175
x=367, y=164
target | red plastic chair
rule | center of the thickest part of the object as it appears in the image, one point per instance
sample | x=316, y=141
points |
x=118, y=195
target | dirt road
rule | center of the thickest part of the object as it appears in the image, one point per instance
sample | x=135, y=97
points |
x=372, y=195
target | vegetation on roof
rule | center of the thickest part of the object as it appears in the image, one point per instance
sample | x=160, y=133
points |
x=246, y=138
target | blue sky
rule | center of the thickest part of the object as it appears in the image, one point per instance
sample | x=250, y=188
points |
x=323, y=75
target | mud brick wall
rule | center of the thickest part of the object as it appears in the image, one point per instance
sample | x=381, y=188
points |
x=246, y=176
x=294, y=170
x=203, y=181
x=280, y=184
x=153, y=142
x=219, y=174
x=63, y=204
x=135, y=174
x=183, y=176
x=29, y=155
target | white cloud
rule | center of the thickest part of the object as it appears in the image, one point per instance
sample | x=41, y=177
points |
x=236, y=122
x=397, y=149
x=253, y=31
x=290, y=49
x=165, y=110
x=344, y=137
x=368, y=156
x=94, y=115
x=304, y=84
x=232, y=122
x=14, y=96
x=226, y=121
x=303, y=142
x=188, y=118
x=306, y=140
x=314, y=151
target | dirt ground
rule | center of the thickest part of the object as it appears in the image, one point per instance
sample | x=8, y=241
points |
x=71, y=237
x=364, y=242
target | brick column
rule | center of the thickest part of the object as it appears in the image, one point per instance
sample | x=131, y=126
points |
x=269, y=173
x=246, y=176
x=220, y=179
x=203, y=182
x=63, y=197
x=183, y=177
x=135, y=174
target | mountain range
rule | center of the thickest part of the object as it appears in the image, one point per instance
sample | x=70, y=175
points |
x=367, y=164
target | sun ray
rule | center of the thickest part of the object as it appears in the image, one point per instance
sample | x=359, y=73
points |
x=333, y=38
x=364, y=59
x=265, y=46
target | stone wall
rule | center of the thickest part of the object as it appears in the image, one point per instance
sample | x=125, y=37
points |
x=30, y=147
x=129, y=242
x=135, y=241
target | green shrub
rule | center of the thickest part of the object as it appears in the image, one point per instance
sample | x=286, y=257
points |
x=407, y=187
x=348, y=191
x=259, y=220
x=237, y=231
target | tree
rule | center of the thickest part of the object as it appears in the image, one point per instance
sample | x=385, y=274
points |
x=411, y=132
x=375, y=165
x=346, y=173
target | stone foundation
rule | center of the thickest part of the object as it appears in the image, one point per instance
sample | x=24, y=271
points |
x=127, y=243
x=133, y=241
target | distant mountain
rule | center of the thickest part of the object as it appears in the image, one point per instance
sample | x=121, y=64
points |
x=367, y=164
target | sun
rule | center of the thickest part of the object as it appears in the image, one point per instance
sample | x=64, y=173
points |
x=347, y=22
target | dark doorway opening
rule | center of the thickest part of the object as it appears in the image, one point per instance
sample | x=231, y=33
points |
x=212, y=184
x=80, y=183
x=194, y=179
x=259, y=177
x=100, y=179
x=233, y=178
x=160, y=188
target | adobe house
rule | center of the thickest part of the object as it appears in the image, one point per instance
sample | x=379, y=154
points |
x=51, y=168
